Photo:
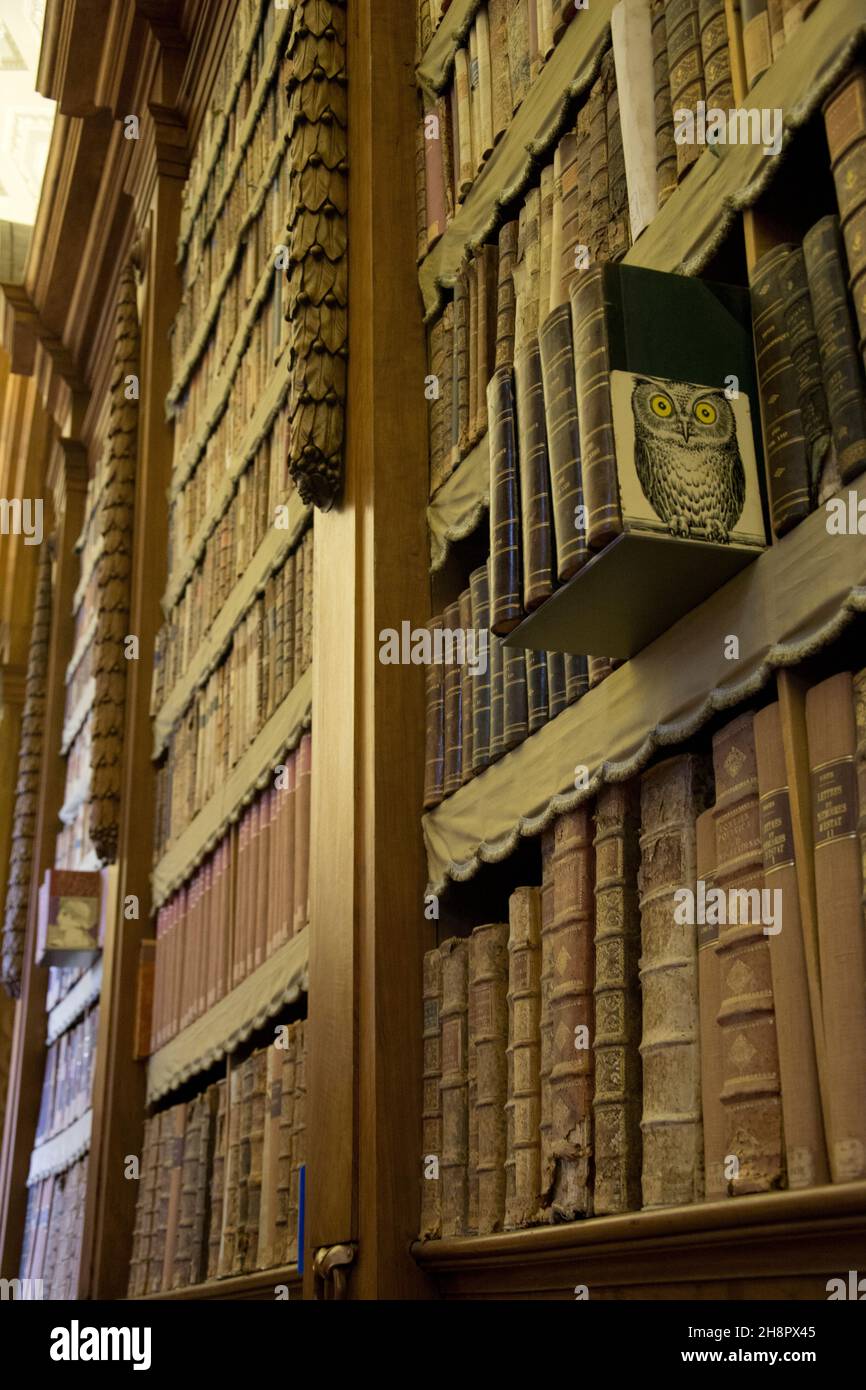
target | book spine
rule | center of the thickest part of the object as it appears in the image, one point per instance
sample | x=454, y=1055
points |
x=832, y=739
x=302, y=833
x=256, y=1151
x=462, y=375
x=672, y=794
x=715, y=54
x=845, y=124
x=527, y=269
x=803, y=1125
x=435, y=725
x=545, y=242
x=709, y=1000
x=471, y=279
x=787, y=464
x=599, y=167
x=217, y=1181
x=474, y=97
x=497, y=698
x=453, y=710
x=556, y=692
x=757, y=47
x=505, y=300
x=557, y=295
x=505, y=597
x=431, y=1107
x=518, y=51
x=666, y=150
x=516, y=703
x=485, y=85
x=547, y=1165
x=576, y=678
x=500, y=64
x=563, y=441
x=569, y=152
x=266, y=1245
x=536, y=690
x=467, y=684
x=805, y=355
x=685, y=69
x=591, y=303
x=485, y=272
x=751, y=1089
x=631, y=37
x=299, y=1139
x=480, y=672
x=619, y=232
x=454, y=1087
x=286, y=1219
x=523, y=1104
x=616, y=1045
x=463, y=127
x=841, y=369
x=533, y=475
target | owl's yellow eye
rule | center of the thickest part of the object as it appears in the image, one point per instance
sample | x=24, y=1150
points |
x=705, y=413
x=661, y=405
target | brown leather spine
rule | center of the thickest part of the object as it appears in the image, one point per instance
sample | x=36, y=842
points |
x=505, y=597
x=709, y=998
x=563, y=441
x=488, y=1039
x=590, y=297
x=841, y=368
x=534, y=476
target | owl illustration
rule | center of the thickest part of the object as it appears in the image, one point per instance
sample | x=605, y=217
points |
x=687, y=457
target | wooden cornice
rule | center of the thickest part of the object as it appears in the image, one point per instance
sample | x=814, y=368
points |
x=19, y=328
x=66, y=72
x=161, y=152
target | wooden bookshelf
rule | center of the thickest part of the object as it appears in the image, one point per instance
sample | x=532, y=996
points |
x=259, y=1286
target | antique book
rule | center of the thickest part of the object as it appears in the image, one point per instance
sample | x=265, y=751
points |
x=299, y=1141
x=563, y=441
x=619, y=232
x=472, y=326
x=673, y=793
x=570, y=151
x=633, y=95
x=757, y=48
x=556, y=692
x=576, y=678
x=471, y=1130
x=532, y=7
x=805, y=355
x=453, y=717
x=231, y=1180
x=616, y=1106
x=841, y=368
x=286, y=1217
x=802, y=1120
x=515, y=697
x=715, y=55
x=591, y=303
x=439, y=431
x=666, y=150
x=832, y=737
x=545, y=1018
x=480, y=592
x=463, y=125
x=431, y=1106
x=259, y=1103
x=505, y=561
x=845, y=124
x=485, y=85
x=488, y=1038
x=523, y=1104
x=598, y=669
x=709, y=998
x=599, y=228
x=467, y=691
x=247, y=1090
x=453, y=1167
x=500, y=67
x=446, y=135
x=461, y=376
x=442, y=464
x=217, y=1193
x=485, y=266
x=536, y=690
x=545, y=241
x=474, y=97
x=497, y=697
x=518, y=51
x=266, y=1243
x=505, y=302
x=435, y=726
x=533, y=473
x=527, y=269
x=556, y=235
x=432, y=174
x=793, y=12
x=751, y=1088
x=569, y=1194
x=302, y=833
x=161, y=1197
x=787, y=463
x=685, y=69
x=181, y=1269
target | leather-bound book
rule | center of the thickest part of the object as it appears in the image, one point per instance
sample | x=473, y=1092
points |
x=144, y=1210
x=471, y=1131
x=545, y=1025
x=545, y=241
x=841, y=368
x=715, y=54
x=266, y=1246
x=474, y=97
x=599, y=169
x=545, y=27
x=534, y=48
x=497, y=698
x=485, y=266
x=462, y=377
x=159, y=1220
x=434, y=754
x=792, y=16
x=576, y=677
x=845, y=124
x=446, y=135
x=709, y=999
x=776, y=16
x=488, y=1038
x=467, y=691
x=500, y=65
x=802, y=1121
x=619, y=232
x=453, y=1168
x=297, y=660
x=433, y=172
x=757, y=48
x=616, y=1044
x=563, y=440
x=436, y=415
x=231, y=1183
x=598, y=669
x=485, y=85
x=256, y=1154
x=685, y=69
x=518, y=50
x=787, y=463
x=534, y=476
x=592, y=299
x=180, y=1275
x=860, y=722
x=516, y=703
x=523, y=1104
x=672, y=795
x=421, y=211
x=832, y=736
x=569, y=150
x=286, y=1218
x=463, y=126
x=480, y=594
x=751, y=1088
x=572, y=1018
x=431, y=1104
x=666, y=150
x=527, y=269
x=557, y=295
x=537, y=713
x=506, y=608
x=217, y=1192
x=556, y=693
x=301, y=876
x=505, y=303
x=247, y=1072
x=299, y=1140
x=441, y=416
x=453, y=766
x=806, y=357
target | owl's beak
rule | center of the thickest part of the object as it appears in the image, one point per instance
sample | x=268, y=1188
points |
x=684, y=426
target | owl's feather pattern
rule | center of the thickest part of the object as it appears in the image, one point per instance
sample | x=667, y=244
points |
x=690, y=468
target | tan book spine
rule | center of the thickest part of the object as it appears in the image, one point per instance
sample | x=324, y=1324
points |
x=666, y=150
x=505, y=298
x=181, y=1266
x=454, y=1087
x=463, y=130
x=545, y=240
x=672, y=794
x=471, y=1127
x=299, y=1136
x=598, y=238
x=832, y=737
x=616, y=1045
x=471, y=281
x=485, y=85
x=715, y=54
x=485, y=262
x=231, y=1179
x=488, y=1040
x=545, y=1026
x=270, y=1158
x=474, y=99
x=845, y=124
x=434, y=755
x=802, y=1121
x=467, y=691
x=500, y=65
x=259, y=1069
x=453, y=724
x=431, y=1105
x=557, y=292
x=685, y=68
x=518, y=50
x=302, y=833
x=709, y=999
x=751, y=1088
x=527, y=269
x=523, y=1106
x=217, y=1203
x=285, y=1221
x=462, y=371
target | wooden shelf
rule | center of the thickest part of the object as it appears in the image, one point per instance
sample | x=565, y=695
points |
x=272, y=553
x=779, y=1244
x=258, y=1285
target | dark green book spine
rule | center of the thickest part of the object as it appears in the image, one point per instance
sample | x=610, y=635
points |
x=481, y=681
x=563, y=441
x=837, y=344
x=806, y=357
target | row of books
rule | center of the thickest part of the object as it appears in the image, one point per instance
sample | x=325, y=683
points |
x=504, y=50
x=220, y=1188
x=248, y=42
x=271, y=648
x=483, y=698
x=61, y=978
x=767, y=26
x=248, y=897
x=640, y=1034
x=68, y=1077
x=53, y=1227
x=261, y=238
